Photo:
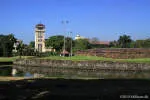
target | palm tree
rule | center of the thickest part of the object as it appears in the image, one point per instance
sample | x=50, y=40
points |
x=20, y=48
x=124, y=41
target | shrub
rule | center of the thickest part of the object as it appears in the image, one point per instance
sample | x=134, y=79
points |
x=47, y=54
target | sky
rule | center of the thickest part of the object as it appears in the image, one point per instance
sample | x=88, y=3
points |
x=104, y=19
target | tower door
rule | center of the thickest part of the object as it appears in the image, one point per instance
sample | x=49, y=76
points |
x=40, y=47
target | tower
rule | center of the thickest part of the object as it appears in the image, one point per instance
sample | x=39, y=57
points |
x=40, y=38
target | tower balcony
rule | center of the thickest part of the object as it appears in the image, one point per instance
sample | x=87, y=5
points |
x=37, y=30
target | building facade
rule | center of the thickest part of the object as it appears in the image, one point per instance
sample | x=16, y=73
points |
x=16, y=45
x=79, y=37
x=40, y=38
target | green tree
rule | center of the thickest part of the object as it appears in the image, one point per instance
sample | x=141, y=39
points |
x=94, y=40
x=32, y=44
x=57, y=42
x=146, y=43
x=20, y=49
x=68, y=42
x=10, y=43
x=6, y=44
x=132, y=44
x=139, y=43
x=81, y=44
x=124, y=41
x=142, y=43
x=27, y=50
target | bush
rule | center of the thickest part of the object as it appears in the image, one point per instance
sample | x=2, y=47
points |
x=47, y=54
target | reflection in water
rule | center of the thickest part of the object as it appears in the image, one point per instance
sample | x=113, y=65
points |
x=28, y=74
x=38, y=75
x=8, y=70
x=66, y=73
x=21, y=73
x=5, y=70
x=14, y=72
x=83, y=73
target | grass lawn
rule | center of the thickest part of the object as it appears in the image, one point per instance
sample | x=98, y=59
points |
x=84, y=58
x=80, y=58
x=7, y=59
x=6, y=78
x=11, y=59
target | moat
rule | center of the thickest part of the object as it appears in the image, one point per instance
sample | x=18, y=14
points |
x=10, y=70
x=107, y=85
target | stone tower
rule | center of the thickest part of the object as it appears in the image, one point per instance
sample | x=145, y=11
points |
x=40, y=37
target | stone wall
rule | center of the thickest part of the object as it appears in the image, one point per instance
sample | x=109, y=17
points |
x=69, y=68
x=123, y=53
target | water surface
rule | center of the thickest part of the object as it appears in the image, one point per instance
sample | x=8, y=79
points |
x=8, y=70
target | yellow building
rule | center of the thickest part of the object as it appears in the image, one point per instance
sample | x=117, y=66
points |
x=40, y=39
x=79, y=37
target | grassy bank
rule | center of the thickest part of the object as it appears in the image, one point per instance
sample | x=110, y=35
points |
x=6, y=78
x=79, y=58
x=85, y=58
x=11, y=59
x=7, y=59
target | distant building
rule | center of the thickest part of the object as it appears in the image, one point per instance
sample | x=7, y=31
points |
x=64, y=53
x=16, y=45
x=96, y=43
x=40, y=39
x=79, y=37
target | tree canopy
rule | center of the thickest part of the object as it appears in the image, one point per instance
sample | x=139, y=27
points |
x=142, y=43
x=6, y=44
x=81, y=44
x=94, y=40
x=124, y=41
x=57, y=42
x=32, y=44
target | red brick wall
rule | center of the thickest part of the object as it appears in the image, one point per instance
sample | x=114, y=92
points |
x=117, y=52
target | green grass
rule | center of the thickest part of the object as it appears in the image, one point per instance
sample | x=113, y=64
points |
x=138, y=60
x=76, y=58
x=90, y=58
x=80, y=58
x=7, y=59
x=11, y=59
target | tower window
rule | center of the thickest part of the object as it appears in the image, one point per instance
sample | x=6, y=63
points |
x=39, y=40
x=40, y=47
x=40, y=35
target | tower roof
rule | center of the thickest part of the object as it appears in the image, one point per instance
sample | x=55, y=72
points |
x=40, y=26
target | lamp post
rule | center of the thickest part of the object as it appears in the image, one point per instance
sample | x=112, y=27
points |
x=64, y=23
x=71, y=44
